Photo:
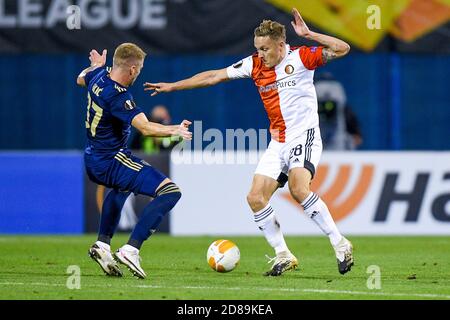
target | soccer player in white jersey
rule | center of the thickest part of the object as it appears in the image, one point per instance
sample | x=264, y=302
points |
x=284, y=78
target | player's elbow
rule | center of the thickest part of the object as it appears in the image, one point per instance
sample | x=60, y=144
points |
x=81, y=82
x=345, y=49
x=341, y=50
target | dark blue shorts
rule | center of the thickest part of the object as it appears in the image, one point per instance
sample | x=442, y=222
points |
x=123, y=172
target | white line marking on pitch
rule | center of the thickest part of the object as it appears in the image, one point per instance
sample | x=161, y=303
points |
x=368, y=293
x=423, y=295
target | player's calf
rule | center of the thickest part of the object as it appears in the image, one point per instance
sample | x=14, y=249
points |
x=166, y=198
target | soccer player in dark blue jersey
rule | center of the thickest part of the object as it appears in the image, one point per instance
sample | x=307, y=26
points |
x=111, y=112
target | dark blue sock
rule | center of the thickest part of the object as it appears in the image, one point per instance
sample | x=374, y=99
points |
x=167, y=197
x=112, y=206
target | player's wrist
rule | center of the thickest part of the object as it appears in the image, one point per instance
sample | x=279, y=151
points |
x=310, y=35
x=173, y=87
x=173, y=130
x=97, y=65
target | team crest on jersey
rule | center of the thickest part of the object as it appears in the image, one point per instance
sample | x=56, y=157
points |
x=238, y=64
x=129, y=105
x=289, y=69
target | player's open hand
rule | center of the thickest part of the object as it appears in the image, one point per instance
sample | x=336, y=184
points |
x=183, y=130
x=300, y=27
x=97, y=59
x=157, y=87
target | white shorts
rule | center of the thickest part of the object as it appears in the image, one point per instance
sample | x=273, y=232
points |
x=303, y=152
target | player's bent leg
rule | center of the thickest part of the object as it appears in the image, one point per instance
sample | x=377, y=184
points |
x=261, y=191
x=112, y=206
x=100, y=251
x=165, y=198
x=299, y=180
x=317, y=210
x=258, y=198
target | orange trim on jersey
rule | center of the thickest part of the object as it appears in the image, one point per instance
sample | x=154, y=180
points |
x=266, y=81
x=311, y=57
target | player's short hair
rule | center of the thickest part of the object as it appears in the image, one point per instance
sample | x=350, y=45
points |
x=272, y=29
x=128, y=54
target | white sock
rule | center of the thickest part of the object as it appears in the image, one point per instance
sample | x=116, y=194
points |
x=103, y=245
x=317, y=210
x=127, y=247
x=268, y=224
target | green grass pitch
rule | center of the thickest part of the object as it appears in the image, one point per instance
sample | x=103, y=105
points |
x=35, y=267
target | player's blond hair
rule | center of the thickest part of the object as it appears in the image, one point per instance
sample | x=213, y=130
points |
x=272, y=29
x=128, y=54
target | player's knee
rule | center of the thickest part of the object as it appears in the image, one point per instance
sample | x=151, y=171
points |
x=299, y=192
x=256, y=201
x=176, y=195
x=170, y=189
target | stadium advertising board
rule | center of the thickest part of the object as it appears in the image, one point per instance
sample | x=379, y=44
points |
x=41, y=192
x=366, y=192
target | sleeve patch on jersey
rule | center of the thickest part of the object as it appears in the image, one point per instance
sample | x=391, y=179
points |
x=129, y=105
x=238, y=64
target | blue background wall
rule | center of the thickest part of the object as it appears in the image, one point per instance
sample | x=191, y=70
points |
x=402, y=101
x=41, y=192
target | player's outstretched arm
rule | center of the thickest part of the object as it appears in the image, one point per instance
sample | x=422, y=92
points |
x=334, y=47
x=153, y=129
x=200, y=80
x=97, y=61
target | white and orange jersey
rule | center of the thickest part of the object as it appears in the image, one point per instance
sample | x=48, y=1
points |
x=287, y=90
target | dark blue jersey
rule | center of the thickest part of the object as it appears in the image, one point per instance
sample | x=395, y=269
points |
x=108, y=162
x=110, y=111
